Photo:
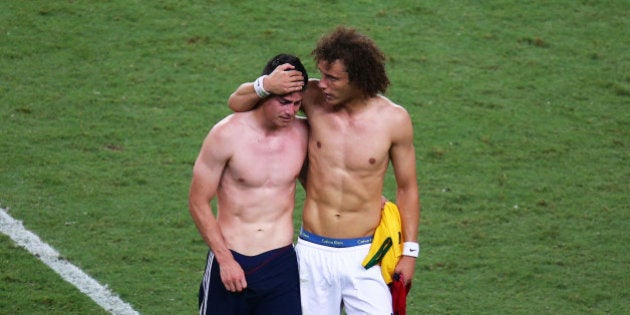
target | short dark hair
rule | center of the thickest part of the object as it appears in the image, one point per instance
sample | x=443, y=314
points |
x=364, y=61
x=290, y=59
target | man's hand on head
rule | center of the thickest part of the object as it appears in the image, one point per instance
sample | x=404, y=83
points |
x=284, y=80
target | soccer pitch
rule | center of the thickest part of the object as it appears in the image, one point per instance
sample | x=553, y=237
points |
x=521, y=121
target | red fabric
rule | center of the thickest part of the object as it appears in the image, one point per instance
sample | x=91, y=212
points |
x=399, y=294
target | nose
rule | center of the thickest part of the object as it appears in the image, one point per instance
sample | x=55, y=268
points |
x=291, y=109
x=322, y=83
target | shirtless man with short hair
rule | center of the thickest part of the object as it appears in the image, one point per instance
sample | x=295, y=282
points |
x=355, y=133
x=250, y=161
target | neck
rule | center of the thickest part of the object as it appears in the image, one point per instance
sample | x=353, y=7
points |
x=354, y=106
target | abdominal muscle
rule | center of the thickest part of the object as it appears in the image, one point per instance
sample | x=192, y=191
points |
x=256, y=224
x=342, y=205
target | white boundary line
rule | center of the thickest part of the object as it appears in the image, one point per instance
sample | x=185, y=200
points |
x=69, y=272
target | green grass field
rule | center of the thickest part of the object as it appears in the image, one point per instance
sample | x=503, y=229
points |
x=522, y=134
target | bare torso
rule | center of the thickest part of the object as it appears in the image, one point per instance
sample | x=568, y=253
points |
x=348, y=159
x=255, y=197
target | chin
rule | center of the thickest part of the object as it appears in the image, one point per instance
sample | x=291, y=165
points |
x=284, y=123
x=329, y=101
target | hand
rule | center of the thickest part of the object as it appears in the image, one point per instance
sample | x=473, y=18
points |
x=284, y=80
x=232, y=276
x=406, y=267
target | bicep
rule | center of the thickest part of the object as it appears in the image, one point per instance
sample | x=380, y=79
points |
x=205, y=181
x=404, y=163
x=208, y=169
x=403, y=153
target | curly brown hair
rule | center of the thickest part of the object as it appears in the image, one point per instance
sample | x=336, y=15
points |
x=364, y=61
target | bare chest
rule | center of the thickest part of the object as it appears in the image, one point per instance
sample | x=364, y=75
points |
x=267, y=161
x=351, y=144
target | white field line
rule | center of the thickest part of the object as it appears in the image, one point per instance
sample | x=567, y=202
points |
x=69, y=272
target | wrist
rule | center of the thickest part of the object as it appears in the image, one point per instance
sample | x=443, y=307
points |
x=411, y=249
x=259, y=87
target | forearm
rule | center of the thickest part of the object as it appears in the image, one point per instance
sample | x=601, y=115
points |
x=409, y=206
x=209, y=230
x=244, y=98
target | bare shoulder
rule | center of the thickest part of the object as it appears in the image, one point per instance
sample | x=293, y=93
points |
x=312, y=85
x=218, y=146
x=301, y=121
x=227, y=131
x=231, y=123
x=301, y=127
x=391, y=110
x=396, y=119
x=313, y=95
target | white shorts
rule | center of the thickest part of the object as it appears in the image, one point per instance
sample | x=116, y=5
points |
x=333, y=278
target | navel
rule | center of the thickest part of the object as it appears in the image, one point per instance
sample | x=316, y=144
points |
x=319, y=144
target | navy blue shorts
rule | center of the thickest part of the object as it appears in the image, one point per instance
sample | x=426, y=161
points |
x=273, y=285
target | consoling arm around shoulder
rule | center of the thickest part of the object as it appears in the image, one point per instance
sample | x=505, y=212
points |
x=280, y=81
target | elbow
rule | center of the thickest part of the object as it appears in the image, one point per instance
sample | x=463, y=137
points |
x=195, y=201
x=192, y=206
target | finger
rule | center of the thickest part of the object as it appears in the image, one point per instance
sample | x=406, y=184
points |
x=240, y=285
x=285, y=67
x=229, y=287
x=407, y=282
x=294, y=75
